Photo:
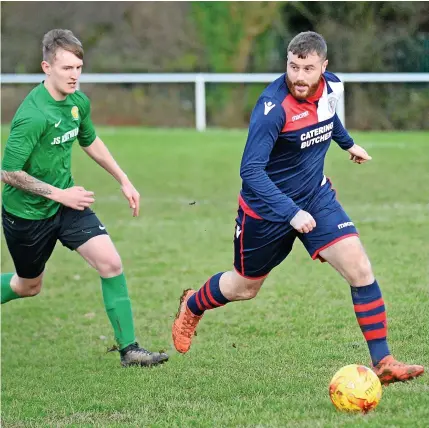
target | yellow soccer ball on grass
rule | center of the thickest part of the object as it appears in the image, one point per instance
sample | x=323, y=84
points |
x=355, y=388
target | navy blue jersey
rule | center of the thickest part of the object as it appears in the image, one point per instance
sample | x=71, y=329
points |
x=282, y=164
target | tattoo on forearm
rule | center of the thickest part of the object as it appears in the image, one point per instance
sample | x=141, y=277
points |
x=24, y=181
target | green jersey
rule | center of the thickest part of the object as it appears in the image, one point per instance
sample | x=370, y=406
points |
x=40, y=143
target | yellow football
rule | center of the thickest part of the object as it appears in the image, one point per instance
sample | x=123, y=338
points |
x=355, y=388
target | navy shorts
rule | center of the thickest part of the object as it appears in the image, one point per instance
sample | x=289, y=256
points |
x=31, y=242
x=261, y=245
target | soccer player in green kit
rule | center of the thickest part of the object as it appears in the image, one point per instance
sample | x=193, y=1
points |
x=41, y=203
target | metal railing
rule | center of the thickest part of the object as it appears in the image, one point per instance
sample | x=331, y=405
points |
x=200, y=80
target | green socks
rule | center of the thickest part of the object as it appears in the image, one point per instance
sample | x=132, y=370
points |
x=116, y=301
x=118, y=308
x=7, y=293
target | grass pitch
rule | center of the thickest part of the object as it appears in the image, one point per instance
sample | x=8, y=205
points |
x=265, y=362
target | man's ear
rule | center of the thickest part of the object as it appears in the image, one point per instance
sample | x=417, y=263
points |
x=46, y=67
x=324, y=65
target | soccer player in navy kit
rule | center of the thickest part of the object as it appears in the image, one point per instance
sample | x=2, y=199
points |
x=285, y=196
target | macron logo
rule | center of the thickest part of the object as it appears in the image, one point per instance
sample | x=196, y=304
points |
x=268, y=107
x=347, y=224
x=300, y=116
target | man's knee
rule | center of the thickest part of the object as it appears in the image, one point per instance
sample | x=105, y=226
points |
x=109, y=266
x=360, y=272
x=34, y=289
x=246, y=289
x=349, y=258
x=250, y=292
x=25, y=287
x=102, y=255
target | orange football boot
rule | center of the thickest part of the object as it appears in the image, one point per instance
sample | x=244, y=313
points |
x=389, y=370
x=185, y=324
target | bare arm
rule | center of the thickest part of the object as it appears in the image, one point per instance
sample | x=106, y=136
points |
x=74, y=197
x=100, y=154
x=30, y=184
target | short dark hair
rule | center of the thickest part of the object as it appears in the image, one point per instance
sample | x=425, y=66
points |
x=64, y=39
x=306, y=43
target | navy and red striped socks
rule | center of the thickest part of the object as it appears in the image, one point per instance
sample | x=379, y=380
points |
x=368, y=305
x=371, y=315
x=208, y=296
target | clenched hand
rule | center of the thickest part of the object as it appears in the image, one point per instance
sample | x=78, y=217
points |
x=76, y=197
x=303, y=222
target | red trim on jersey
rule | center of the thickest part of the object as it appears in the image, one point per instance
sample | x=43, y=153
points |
x=301, y=114
x=298, y=115
x=247, y=210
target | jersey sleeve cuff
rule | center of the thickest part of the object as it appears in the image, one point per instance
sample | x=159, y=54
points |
x=293, y=213
x=348, y=145
x=86, y=142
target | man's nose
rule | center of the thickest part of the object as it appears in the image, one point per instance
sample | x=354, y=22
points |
x=75, y=74
x=301, y=75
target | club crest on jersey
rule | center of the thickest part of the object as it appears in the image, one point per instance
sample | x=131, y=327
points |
x=75, y=113
x=332, y=104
